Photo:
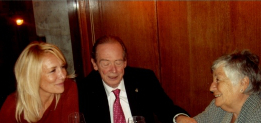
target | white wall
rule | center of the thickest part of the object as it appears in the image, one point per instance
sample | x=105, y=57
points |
x=52, y=22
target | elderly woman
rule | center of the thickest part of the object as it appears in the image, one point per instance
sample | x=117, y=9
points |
x=236, y=87
x=44, y=94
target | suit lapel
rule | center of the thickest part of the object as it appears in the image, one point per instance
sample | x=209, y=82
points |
x=100, y=96
x=132, y=93
x=100, y=100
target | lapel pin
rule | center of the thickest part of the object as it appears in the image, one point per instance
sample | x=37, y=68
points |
x=136, y=90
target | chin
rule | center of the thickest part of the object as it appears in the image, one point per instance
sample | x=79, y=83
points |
x=113, y=84
x=59, y=91
x=217, y=103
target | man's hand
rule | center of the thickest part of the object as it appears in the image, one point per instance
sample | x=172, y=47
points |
x=185, y=119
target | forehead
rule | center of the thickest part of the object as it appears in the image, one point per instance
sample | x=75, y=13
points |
x=48, y=55
x=109, y=50
x=219, y=71
x=49, y=58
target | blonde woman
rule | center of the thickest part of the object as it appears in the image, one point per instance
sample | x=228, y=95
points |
x=44, y=94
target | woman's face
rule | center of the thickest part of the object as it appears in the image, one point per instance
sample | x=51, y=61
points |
x=226, y=94
x=53, y=75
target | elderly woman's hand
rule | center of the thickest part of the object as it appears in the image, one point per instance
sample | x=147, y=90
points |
x=185, y=119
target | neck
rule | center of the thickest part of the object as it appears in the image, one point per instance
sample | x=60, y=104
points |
x=237, y=108
x=234, y=117
x=46, y=100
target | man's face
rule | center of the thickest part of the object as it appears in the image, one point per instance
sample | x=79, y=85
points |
x=110, y=63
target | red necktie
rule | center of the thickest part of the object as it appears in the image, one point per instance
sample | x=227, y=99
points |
x=118, y=115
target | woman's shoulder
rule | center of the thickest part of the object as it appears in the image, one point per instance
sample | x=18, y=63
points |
x=68, y=102
x=11, y=99
x=253, y=103
x=69, y=84
x=70, y=88
x=7, y=112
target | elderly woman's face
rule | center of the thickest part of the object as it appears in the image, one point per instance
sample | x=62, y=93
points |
x=226, y=94
x=53, y=75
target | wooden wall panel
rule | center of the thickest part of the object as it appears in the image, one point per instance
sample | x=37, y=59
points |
x=135, y=23
x=192, y=35
x=85, y=40
x=246, y=25
x=208, y=25
x=175, y=50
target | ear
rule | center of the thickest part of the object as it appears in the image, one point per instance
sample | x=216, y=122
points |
x=245, y=82
x=125, y=63
x=95, y=66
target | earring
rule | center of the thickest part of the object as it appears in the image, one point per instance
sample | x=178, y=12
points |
x=241, y=90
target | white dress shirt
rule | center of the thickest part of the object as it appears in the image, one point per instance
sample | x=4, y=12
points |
x=123, y=99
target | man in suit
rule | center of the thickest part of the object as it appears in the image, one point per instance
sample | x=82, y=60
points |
x=140, y=92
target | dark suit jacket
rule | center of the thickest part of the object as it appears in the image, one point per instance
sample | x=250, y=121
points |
x=150, y=98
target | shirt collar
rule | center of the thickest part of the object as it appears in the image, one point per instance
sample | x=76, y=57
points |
x=109, y=89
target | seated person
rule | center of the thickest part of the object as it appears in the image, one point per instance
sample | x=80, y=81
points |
x=44, y=94
x=236, y=88
x=139, y=90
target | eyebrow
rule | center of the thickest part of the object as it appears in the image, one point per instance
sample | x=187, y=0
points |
x=51, y=67
x=109, y=60
x=104, y=60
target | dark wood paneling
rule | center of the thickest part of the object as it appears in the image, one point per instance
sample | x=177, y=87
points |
x=175, y=50
x=85, y=31
x=246, y=25
x=207, y=29
x=192, y=35
x=79, y=37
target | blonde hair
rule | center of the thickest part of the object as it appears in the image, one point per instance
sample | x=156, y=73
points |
x=28, y=68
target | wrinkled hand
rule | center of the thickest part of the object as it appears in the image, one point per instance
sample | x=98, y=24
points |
x=185, y=119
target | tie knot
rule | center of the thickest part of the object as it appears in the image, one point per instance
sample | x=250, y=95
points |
x=116, y=92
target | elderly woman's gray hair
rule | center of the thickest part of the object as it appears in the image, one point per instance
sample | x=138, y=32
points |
x=242, y=64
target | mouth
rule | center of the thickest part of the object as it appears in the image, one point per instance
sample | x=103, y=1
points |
x=218, y=95
x=60, y=84
x=112, y=77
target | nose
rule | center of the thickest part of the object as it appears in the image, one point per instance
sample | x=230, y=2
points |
x=113, y=68
x=213, y=86
x=62, y=73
